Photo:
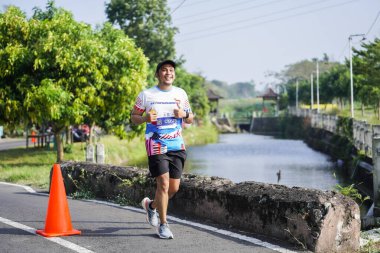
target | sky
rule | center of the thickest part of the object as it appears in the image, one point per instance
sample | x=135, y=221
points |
x=246, y=40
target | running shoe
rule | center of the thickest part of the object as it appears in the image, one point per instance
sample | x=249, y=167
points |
x=151, y=214
x=164, y=232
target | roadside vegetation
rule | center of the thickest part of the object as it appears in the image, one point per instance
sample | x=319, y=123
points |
x=241, y=110
x=46, y=80
x=334, y=82
x=57, y=72
x=32, y=166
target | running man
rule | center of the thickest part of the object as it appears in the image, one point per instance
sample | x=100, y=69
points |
x=163, y=108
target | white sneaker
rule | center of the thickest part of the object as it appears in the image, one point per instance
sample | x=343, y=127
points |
x=151, y=214
x=164, y=232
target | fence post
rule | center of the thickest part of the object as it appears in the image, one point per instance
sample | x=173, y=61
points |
x=376, y=174
x=90, y=154
x=100, y=153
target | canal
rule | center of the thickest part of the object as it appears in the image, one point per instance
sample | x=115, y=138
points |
x=249, y=157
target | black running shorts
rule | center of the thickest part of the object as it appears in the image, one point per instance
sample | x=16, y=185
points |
x=172, y=162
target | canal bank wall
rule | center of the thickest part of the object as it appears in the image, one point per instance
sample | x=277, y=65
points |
x=355, y=166
x=320, y=221
x=293, y=127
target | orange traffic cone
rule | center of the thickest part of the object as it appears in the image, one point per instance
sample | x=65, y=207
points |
x=58, y=221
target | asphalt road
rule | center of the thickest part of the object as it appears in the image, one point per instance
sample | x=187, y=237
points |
x=12, y=143
x=108, y=227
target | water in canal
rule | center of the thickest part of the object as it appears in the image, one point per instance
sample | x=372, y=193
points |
x=249, y=157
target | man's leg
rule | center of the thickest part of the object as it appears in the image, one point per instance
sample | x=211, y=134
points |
x=160, y=202
x=161, y=198
x=173, y=189
x=167, y=187
x=173, y=186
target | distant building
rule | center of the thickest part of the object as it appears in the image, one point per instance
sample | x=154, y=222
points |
x=213, y=98
x=271, y=96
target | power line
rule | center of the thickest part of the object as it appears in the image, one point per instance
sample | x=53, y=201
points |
x=258, y=17
x=195, y=3
x=369, y=30
x=345, y=48
x=266, y=22
x=229, y=13
x=374, y=22
x=178, y=7
x=215, y=10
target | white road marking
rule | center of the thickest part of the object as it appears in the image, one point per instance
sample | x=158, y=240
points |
x=181, y=221
x=205, y=227
x=27, y=188
x=57, y=240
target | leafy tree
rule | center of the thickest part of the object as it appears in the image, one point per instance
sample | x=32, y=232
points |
x=242, y=90
x=220, y=87
x=335, y=84
x=194, y=85
x=367, y=71
x=303, y=69
x=284, y=101
x=236, y=90
x=148, y=23
x=48, y=14
x=299, y=70
x=55, y=70
x=123, y=75
x=303, y=92
x=14, y=61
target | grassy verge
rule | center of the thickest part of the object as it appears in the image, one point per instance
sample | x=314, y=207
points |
x=369, y=114
x=32, y=166
x=241, y=108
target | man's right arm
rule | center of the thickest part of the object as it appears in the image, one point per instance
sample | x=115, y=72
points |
x=137, y=117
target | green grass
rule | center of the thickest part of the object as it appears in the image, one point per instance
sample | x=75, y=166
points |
x=29, y=166
x=124, y=152
x=369, y=115
x=237, y=109
x=200, y=135
x=32, y=166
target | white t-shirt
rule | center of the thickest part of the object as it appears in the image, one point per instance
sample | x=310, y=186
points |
x=166, y=133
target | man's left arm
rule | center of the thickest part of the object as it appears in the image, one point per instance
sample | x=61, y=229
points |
x=188, y=119
x=184, y=111
x=187, y=116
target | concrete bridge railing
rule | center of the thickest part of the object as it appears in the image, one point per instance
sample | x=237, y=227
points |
x=321, y=221
x=362, y=131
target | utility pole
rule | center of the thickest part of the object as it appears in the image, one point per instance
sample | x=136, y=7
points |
x=376, y=174
x=312, y=92
x=317, y=86
x=297, y=95
x=351, y=72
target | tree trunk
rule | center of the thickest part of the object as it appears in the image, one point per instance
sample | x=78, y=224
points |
x=378, y=109
x=91, y=139
x=362, y=110
x=90, y=134
x=68, y=135
x=59, y=147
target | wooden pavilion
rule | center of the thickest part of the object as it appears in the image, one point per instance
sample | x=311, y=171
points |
x=273, y=96
x=214, y=101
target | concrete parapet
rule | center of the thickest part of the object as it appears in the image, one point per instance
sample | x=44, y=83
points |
x=362, y=132
x=321, y=221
